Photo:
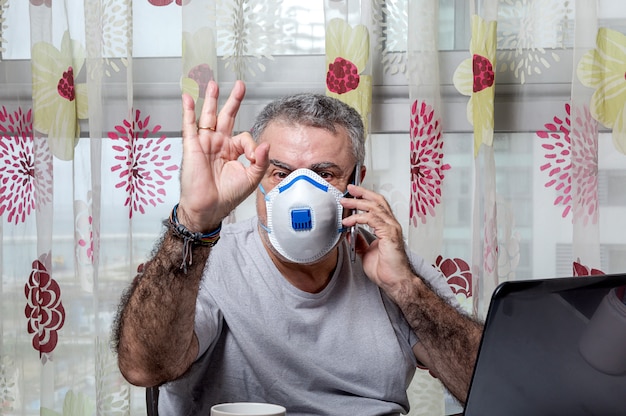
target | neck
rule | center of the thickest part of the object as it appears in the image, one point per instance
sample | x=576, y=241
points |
x=312, y=278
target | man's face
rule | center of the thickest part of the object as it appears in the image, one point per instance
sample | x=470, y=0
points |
x=294, y=146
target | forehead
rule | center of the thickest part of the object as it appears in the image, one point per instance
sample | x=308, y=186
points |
x=301, y=145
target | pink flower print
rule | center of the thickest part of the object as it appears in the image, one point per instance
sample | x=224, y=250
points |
x=84, y=249
x=457, y=273
x=342, y=76
x=483, y=73
x=427, y=167
x=585, y=167
x=582, y=270
x=144, y=163
x=25, y=166
x=490, y=249
x=87, y=245
x=44, y=309
x=557, y=151
x=580, y=165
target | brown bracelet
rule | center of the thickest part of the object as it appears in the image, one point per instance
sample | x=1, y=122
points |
x=191, y=239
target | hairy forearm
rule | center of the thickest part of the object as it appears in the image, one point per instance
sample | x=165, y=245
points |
x=450, y=337
x=154, y=331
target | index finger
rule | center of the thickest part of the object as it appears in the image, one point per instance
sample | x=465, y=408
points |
x=189, y=116
x=226, y=116
x=365, y=200
x=359, y=193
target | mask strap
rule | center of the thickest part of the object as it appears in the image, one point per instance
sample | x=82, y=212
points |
x=265, y=197
x=263, y=192
x=264, y=227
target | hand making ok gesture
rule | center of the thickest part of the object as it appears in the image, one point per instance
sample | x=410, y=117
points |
x=213, y=180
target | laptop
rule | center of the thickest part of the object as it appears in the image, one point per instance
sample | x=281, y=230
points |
x=553, y=347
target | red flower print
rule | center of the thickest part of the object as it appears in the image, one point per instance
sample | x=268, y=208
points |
x=457, y=273
x=483, y=73
x=167, y=2
x=47, y=3
x=342, y=76
x=202, y=74
x=582, y=270
x=65, y=87
x=426, y=162
x=25, y=166
x=144, y=163
x=565, y=165
x=44, y=310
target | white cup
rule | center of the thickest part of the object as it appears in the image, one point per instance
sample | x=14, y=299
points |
x=247, y=409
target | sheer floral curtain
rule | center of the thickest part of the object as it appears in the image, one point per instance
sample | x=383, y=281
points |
x=545, y=87
x=89, y=158
x=84, y=163
x=495, y=130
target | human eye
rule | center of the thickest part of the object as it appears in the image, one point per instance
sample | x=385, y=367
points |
x=279, y=175
x=327, y=176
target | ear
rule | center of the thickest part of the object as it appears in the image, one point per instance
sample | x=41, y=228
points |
x=362, y=173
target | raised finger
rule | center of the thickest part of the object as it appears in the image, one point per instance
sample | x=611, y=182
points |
x=208, y=115
x=189, y=117
x=228, y=113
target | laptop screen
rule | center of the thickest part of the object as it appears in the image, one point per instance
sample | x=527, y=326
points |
x=553, y=347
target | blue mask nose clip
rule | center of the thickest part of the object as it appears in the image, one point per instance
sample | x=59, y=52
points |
x=301, y=219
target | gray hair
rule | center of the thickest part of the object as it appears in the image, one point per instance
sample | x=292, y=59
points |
x=314, y=110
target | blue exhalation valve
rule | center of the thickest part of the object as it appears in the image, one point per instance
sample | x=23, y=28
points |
x=301, y=219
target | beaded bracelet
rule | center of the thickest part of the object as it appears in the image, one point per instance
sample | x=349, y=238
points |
x=190, y=239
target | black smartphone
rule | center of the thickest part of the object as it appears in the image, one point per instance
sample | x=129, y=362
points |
x=354, y=229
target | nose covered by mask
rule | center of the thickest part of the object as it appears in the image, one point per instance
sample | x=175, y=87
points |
x=303, y=216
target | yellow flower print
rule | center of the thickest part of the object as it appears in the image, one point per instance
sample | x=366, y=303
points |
x=347, y=55
x=475, y=77
x=75, y=404
x=604, y=69
x=198, y=62
x=58, y=101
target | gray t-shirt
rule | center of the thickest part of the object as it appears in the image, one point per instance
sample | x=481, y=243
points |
x=344, y=351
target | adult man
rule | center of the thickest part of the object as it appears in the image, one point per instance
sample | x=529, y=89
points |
x=276, y=311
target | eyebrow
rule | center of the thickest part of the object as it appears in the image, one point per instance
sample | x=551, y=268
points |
x=314, y=167
x=280, y=164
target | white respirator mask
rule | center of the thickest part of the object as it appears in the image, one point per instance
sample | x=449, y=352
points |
x=303, y=216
